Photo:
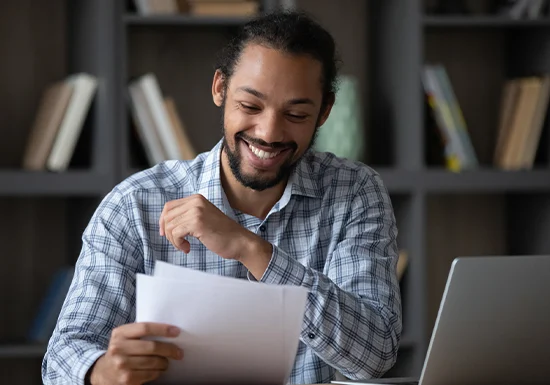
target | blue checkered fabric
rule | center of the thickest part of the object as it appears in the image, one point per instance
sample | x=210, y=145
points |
x=333, y=231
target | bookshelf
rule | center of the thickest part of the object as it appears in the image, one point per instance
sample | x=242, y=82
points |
x=183, y=20
x=481, y=21
x=384, y=44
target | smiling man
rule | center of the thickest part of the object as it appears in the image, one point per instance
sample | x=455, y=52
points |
x=261, y=205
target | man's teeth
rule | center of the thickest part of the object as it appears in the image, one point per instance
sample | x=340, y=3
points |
x=262, y=154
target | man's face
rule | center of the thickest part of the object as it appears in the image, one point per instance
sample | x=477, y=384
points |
x=271, y=110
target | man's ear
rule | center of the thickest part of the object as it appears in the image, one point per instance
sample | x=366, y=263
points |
x=329, y=102
x=218, y=88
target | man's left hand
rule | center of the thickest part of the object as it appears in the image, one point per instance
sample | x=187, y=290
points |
x=197, y=217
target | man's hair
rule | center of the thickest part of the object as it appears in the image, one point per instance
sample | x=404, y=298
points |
x=292, y=32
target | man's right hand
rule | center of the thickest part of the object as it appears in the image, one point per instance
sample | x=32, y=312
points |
x=130, y=360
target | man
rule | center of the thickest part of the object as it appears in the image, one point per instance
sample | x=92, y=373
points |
x=260, y=205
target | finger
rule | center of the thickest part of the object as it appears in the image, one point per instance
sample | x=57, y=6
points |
x=168, y=207
x=144, y=329
x=145, y=348
x=170, y=210
x=138, y=377
x=177, y=229
x=147, y=363
x=161, y=224
x=178, y=239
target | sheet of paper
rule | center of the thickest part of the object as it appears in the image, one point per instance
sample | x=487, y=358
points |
x=232, y=330
x=294, y=302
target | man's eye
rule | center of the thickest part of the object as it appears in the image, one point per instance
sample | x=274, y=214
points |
x=297, y=117
x=249, y=107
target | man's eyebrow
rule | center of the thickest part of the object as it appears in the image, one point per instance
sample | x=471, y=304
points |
x=301, y=101
x=252, y=91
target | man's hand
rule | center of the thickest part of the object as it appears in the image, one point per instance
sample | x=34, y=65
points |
x=197, y=217
x=132, y=361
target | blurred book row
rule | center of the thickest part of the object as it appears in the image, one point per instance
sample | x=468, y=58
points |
x=523, y=111
x=198, y=7
x=63, y=109
x=58, y=123
x=158, y=125
x=65, y=104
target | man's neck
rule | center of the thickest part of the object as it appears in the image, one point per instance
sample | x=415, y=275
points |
x=244, y=199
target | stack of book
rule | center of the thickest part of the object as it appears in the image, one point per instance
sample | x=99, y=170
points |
x=221, y=8
x=459, y=153
x=523, y=110
x=157, y=122
x=58, y=123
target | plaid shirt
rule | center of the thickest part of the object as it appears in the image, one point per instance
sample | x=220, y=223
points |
x=333, y=231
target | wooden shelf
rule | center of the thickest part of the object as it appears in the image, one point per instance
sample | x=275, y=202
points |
x=398, y=181
x=184, y=20
x=482, y=21
x=71, y=183
x=486, y=180
x=22, y=351
x=481, y=180
x=439, y=180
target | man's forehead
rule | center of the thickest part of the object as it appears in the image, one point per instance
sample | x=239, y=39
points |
x=256, y=54
x=262, y=68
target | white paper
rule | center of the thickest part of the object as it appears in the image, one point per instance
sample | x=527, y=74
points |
x=294, y=302
x=232, y=330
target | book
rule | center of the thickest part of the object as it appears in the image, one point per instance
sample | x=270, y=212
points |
x=456, y=116
x=454, y=157
x=187, y=152
x=145, y=126
x=520, y=123
x=153, y=96
x=156, y=7
x=459, y=151
x=83, y=89
x=43, y=324
x=509, y=96
x=223, y=8
x=51, y=109
x=537, y=125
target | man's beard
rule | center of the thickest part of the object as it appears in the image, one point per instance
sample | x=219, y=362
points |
x=258, y=182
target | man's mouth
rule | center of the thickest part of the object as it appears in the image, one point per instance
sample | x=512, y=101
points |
x=263, y=157
x=261, y=153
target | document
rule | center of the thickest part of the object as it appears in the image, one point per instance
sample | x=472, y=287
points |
x=232, y=330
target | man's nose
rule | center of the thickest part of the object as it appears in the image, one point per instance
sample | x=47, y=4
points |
x=270, y=129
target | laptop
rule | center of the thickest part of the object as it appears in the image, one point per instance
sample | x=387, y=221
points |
x=493, y=325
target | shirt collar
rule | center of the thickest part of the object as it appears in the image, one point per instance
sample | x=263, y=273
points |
x=305, y=179
x=210, y=184
x=301, y=182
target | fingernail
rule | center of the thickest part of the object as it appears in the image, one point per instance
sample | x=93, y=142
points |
x=173, y=331
x=179, y=354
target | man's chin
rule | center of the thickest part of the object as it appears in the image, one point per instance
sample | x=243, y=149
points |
x=258, y=182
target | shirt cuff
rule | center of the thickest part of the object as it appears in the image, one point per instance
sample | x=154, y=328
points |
x=283, y=270
x=85, y=362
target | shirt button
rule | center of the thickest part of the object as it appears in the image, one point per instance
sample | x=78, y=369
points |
x=311, y=336
x=262, y=228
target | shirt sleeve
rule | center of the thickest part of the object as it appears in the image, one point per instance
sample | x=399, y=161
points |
x=352, y=318
x=101, y=296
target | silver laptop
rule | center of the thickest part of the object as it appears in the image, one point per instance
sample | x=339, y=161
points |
x=493, y=325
